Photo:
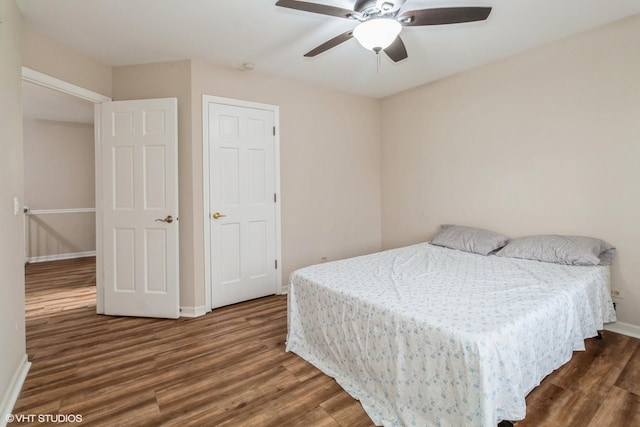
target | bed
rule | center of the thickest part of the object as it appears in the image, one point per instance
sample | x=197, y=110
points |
x=431, y=336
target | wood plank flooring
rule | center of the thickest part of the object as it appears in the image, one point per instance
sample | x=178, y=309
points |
x=229, y=367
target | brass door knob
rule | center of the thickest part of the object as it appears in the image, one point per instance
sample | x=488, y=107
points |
x=168, y=219
x=217, y=215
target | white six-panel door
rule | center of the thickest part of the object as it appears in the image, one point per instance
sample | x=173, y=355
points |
x=242, y=203
x=139, y=179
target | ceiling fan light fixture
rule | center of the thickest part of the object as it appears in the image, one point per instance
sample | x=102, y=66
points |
x=377, y=34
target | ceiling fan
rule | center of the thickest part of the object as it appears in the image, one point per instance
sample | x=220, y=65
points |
x=380, y=22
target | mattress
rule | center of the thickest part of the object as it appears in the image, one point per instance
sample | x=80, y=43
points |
x=430, y=336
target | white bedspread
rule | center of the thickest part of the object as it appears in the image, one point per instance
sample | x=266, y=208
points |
x=430, y=336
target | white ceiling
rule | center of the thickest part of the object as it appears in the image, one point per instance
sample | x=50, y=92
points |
x=274, y=39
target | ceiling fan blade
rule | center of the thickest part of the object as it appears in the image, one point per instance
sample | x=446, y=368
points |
x=443, y=15
x=330, y=43
x=396, y=50
x=322, y=9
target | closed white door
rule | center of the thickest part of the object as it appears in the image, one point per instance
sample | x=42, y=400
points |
x=242, y=203
x=139, y=187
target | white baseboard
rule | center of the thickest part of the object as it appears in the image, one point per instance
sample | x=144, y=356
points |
x=624, y=329
x=58, y=257
x=193, y=311
x=11, y=395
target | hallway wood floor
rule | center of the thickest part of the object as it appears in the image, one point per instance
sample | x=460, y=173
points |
x=229, y=367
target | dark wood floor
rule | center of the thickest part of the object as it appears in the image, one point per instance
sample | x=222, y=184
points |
x=230, y=368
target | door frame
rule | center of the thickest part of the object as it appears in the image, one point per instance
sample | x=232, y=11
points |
x=206, y=99
x=36, y=77
x=41, y=79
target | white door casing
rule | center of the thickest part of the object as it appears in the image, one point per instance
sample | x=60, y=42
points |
x=36, y=77
x=139, y=207
x=243, y=212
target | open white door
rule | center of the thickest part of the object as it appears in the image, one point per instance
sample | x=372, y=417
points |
x=139, y=207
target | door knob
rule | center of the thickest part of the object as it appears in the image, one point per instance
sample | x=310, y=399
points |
x=168, y=219
x=217, y=215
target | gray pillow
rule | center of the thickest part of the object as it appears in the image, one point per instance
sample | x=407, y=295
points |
x=469, y=239
x=570, y=250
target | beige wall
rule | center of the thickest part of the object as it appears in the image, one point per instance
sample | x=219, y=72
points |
x=329, y=162
x=48, y=56
x=329, y=165
x=59, y=173
x=12, y=321
x=544, y=142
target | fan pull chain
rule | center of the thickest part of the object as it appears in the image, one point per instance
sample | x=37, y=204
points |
x=377, y=51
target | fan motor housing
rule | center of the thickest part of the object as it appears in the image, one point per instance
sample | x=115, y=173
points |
x=366, y=7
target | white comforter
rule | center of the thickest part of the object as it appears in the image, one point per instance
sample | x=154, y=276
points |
x=430, y=336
